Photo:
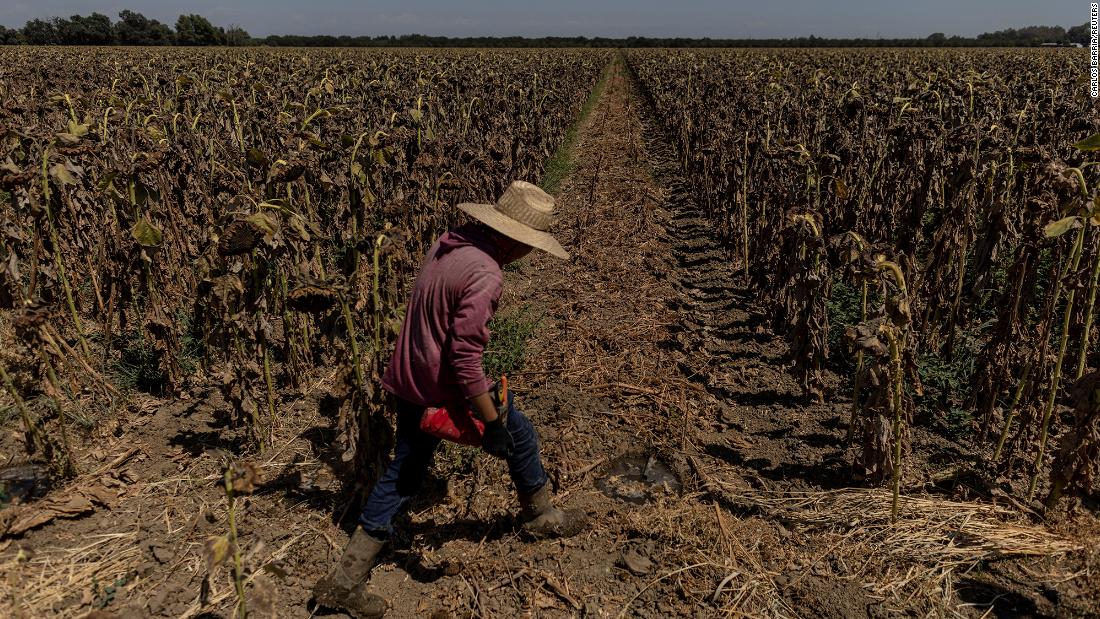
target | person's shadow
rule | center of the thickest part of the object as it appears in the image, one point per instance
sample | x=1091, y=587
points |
x=435, y=535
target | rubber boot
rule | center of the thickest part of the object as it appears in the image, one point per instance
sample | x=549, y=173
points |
x=542, y=519
x=343, y=588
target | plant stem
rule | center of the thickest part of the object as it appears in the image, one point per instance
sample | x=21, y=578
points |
x=270, y=391
x=360, y=381
x=376, y=296
x=37, y=441
x=1012, y=409
x=238, y=570
x=1082, y=357
x=56, y=252
x=68, y=469
x=859, y=371
x=745, y=206
x=1052, y=395
x=897, y=388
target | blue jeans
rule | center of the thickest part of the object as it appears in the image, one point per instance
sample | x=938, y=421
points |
x=412, y=457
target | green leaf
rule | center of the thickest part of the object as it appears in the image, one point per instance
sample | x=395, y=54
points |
x=1090, y=143
x=105, y=181
x=257, y=159
x=840, y=188
x=1062, y=226
x=265, y=222
x=62, y=174
x=277, y=203
x=143, y=192
x=78, y=129
x=146, y=234
x=298, y=225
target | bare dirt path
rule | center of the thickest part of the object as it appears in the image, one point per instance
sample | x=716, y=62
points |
x=665, y=412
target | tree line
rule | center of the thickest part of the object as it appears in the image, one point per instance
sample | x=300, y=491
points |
x=135, y=29
x=132, y=28
x=1024, y=37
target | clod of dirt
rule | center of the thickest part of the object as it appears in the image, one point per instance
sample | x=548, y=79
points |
x=452, y=567
x=636, y=559
x=162, y=553
x=637, y=479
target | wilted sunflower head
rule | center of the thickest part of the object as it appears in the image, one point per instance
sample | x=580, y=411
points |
x=30, y=316
x=312, y=296
x=244, y=234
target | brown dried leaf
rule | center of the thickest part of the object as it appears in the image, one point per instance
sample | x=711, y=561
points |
x=16, y=521
x=215, y=552
x=244, y=477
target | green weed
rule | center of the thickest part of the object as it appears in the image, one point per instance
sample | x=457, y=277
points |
x=453, y=459
x=561, y=164
x=192, y=346
x=7, y=415
x=845, y=310
x=508, y=342
x=946, y=383
x=958, y=422
x=104, y=595
x=139, y=368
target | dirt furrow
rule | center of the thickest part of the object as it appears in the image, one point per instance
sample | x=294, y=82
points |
x=653, y=336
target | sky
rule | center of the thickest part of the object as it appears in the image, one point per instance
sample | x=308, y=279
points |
x=611, y=18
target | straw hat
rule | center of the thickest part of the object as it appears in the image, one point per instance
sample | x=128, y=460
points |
x=523, y=213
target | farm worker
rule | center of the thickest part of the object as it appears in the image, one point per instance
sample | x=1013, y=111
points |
x=437, y=362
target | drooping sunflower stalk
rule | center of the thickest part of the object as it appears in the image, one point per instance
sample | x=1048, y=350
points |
x=891, y=379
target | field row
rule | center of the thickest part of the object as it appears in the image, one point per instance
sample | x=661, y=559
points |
x=920, y=221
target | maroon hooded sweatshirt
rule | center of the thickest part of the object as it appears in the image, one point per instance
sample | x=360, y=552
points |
x=437, y=359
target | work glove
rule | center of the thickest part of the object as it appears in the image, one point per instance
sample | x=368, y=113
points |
x=497, y=441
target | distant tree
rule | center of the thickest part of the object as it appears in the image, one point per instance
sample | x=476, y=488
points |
x=135, y=29
x=936, y=38
x=197, y=30
x=99, y=29
x=95, y=29
x=1079, y=34
x=1043, y=34
x=1031, y=35
x=235, y=36
x=64, y=29
x=40, y=32
x=10, y=36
